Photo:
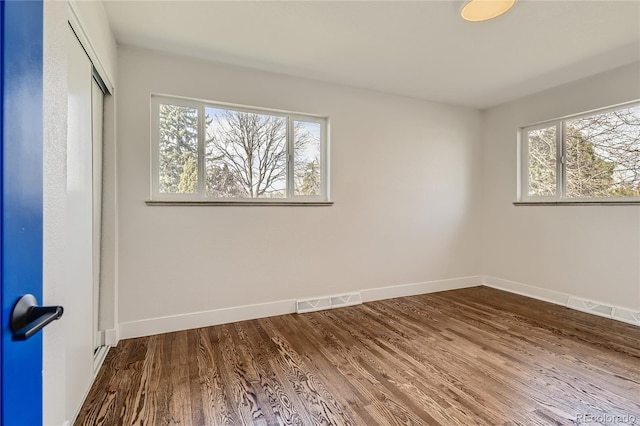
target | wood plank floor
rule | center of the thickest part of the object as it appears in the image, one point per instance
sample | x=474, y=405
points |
x=475, y=356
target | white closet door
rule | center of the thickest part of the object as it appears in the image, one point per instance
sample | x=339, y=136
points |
x=79, y=345
x=97, y=111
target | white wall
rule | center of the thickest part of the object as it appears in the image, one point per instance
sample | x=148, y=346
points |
x=60, y=379
x=403, y=178
x=587, y=251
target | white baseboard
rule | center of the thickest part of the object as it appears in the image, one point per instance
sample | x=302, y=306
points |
x=111, y=338
x=381, y=293
x=172, y=323
x=188, y=321
x=544, y=294
x=98, y=359
x=613, y=312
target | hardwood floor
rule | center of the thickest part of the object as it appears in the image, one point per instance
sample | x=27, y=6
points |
x=475, y=356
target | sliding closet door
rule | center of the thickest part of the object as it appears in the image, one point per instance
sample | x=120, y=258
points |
x=97, y=99
x=79, y=230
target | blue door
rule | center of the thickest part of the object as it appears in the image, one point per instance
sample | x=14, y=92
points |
x=20, y=204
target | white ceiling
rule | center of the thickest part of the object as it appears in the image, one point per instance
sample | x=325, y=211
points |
x=421, y=49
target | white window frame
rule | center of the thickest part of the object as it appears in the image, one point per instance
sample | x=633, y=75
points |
x=200, y=197
x=560, y=197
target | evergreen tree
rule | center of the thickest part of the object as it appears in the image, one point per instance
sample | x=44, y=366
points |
x=542, y=162
x=221, y=182
x=308, y=183
x=588, y=175
x=178, y=145
x=189, y=176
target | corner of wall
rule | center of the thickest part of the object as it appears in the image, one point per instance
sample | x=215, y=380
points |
x=623, y=314
x=112, y=337
x=187, y=321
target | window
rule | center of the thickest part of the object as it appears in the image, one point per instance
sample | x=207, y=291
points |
x=211, y=152
x=588, y=157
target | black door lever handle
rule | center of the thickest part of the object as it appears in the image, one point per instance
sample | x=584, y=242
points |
x=27, y=318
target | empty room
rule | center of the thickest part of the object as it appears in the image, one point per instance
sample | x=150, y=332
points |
x=320, y=212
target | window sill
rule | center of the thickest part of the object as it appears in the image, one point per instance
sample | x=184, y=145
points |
x=577, y=203
x=239, y=203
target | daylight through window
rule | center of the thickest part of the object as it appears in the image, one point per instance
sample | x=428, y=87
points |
x=206, y=151
x=593, y=156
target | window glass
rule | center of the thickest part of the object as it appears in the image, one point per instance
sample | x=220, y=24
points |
x=306, y=158
x=542, y=161
x=599, y=155
x=246, y=154
x=178, y=149
x=206, y=151
x=603, y=154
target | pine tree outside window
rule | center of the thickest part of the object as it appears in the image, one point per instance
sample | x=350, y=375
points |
x=591, y=157
x=212, y=152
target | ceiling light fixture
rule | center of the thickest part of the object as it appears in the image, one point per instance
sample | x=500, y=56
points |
x=483, y=10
